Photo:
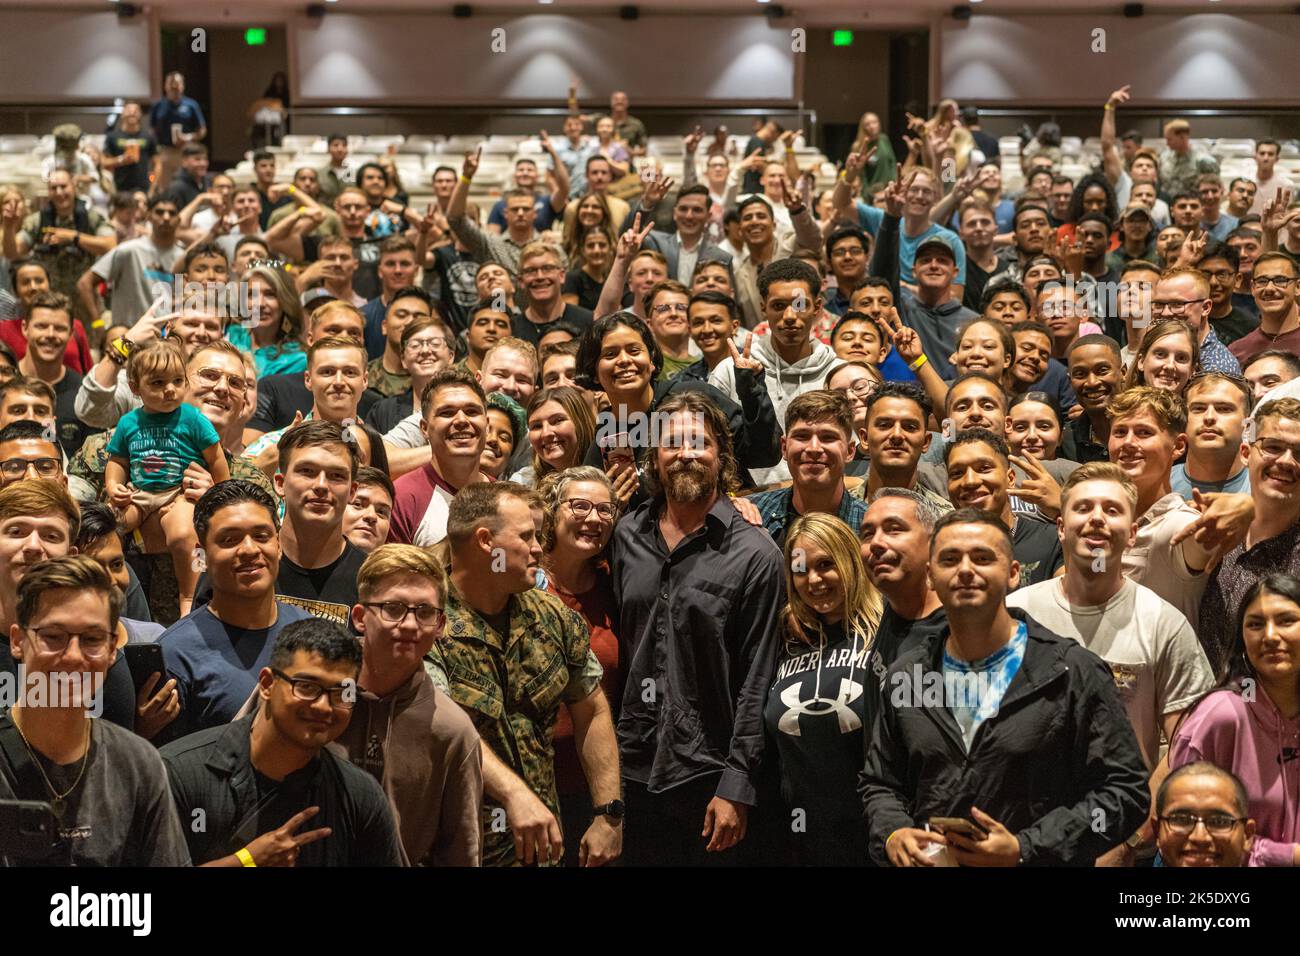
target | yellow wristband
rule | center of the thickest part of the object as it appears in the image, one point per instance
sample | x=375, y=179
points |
x=919, y=362
x=292, y=189
x=1108, y=106
x=245, y=857
x=465, y=179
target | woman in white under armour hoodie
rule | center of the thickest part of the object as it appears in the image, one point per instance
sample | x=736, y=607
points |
x=793, y=364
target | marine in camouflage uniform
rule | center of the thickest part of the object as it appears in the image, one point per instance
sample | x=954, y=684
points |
x=67, y=263
x=156, y=573
x=384, y=382
x=545, y=660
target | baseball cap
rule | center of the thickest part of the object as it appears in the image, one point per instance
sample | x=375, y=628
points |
x=1136, y=209
x=1177, y=126
x=934, y=243
x=318, y=296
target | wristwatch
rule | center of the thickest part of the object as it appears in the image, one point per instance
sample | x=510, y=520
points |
x=614, y=808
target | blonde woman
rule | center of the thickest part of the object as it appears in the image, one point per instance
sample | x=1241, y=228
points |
x=816, y=707
x=561, y=427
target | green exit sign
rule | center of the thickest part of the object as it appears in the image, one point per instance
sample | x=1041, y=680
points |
x=255, y=36
x=842, y=38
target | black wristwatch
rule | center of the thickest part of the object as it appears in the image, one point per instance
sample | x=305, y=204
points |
x=614, y=808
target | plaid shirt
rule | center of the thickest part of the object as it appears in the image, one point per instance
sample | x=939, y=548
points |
x=778, y=512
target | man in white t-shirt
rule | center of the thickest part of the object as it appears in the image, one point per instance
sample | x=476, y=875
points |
x=1154, y=655
x=1266, y=179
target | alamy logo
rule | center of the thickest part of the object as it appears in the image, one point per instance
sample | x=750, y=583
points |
x=969, y=690
x=76, y=909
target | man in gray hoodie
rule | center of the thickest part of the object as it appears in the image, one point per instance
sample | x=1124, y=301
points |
x=793, y=361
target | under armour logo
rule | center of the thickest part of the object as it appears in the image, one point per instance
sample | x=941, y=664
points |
x=849, y=721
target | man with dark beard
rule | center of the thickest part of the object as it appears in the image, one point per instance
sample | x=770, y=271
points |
x=701, y=591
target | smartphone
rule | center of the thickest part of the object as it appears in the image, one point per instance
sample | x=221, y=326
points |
x=178, y=130
x=143, y=660
x=966, y=828
x=29, y=830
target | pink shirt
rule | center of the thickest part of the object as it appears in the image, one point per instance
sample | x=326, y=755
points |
x=1260, y=746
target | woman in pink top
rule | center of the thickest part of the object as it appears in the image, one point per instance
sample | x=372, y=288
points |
x=1251, y=725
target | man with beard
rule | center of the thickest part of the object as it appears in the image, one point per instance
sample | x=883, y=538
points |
x=259, y=779
x=455, y=423
x=1241, y=197
x=541, y=270
x=980, y=476
x=216, y=652
x=1273, y=540
x=701, y=593
x=495, y=615
x=817, y=442
x=1096, y=374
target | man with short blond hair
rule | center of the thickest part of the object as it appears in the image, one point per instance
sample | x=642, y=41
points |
x=541, y=272
x=1185, y=293
x=429, y=760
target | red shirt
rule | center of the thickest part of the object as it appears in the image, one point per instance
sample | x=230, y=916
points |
x=76, y=356
x=597, y=609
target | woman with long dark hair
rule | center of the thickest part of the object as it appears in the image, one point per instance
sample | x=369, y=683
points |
x=1251, y=724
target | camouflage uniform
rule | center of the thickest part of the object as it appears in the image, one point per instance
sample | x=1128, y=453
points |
x=66, y=264
x=157, y=576
x=384, y=382
x=546, y=660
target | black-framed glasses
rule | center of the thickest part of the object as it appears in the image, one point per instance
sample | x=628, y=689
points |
x=1218, y=824
x=14, y=468
x=395, y=612
x=581, y=507
x=1263, y=282
x=1177, y=306
x=344, y=696
x=54, y=641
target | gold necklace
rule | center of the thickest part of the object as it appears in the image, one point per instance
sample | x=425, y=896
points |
x=57, y=804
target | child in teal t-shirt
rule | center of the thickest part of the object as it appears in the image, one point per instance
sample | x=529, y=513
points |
x=152, y=446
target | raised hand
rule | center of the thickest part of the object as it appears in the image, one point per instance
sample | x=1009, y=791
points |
x=691, y=142
x=1275, y=211
x=1039, y=487
x=788, y=138
x=905, y=340
x=1193, y=247
x=913, y=145
x=470, y=166
x=624, y=479
x=630, y=241
x=914, y=123
x=744, y=359
x=656, y=187
x=1073, y=256
x=544, y=138
x=895, y=195
x=1119, y=97
x=754, y=160
x=280, y=847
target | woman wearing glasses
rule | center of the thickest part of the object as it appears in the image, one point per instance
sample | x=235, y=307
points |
x=580, y=512
x=1251, y=724
x=816, y=707
x=859, y=381
x=1167, y=358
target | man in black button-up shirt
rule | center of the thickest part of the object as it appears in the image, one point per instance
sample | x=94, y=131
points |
x=700, y=591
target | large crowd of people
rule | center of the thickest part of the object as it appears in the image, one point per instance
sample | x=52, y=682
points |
x=626, y=521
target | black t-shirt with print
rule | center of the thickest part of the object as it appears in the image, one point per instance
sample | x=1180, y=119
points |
x=1036, y=545
x=328, y=591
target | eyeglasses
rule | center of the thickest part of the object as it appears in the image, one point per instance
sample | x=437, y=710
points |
x=1263, y=282
x=94, y=644
x=211, y=377
x=538, y=270
x=17, y=467
x=420, y=346
x=665, y=309
x=1272, y=449
x=394, y=612
x=1176, y=306
x=1184, y=822
x=1221, y=275
x=863, y=388
x=581, y=507
x=342, y=697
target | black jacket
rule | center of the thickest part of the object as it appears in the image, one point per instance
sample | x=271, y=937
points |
x=1058, y=766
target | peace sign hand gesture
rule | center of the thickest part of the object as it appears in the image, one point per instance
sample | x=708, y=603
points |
x=906, y=342
x=743, y=360
x=1039, y=487
x=895, y=195
x=1275, y=212
x=630, y=241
